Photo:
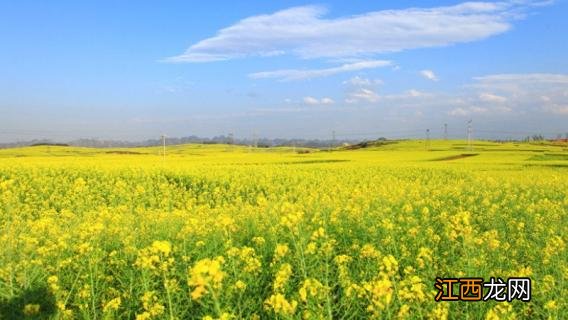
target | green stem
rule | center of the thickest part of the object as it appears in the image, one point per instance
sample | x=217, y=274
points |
x=170, y=304
x=215, y=300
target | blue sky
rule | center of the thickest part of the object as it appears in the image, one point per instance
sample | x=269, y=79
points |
x=136, y=69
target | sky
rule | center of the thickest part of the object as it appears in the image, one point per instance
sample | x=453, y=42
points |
x=133, y=70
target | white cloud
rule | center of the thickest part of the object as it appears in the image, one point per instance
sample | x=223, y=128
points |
x=429, y=74
x=362, y=82
x=361, y=90
x=314, y=101
x=407, y=99
x=530, y=92
x=492, y=98
x=311, y=100
x=305, y=32
x=521, y=83
x=412, y=95
x=299, y=74
x=488, y=96
x=362, y=94
x=415, y=93
x=462, y=112
x=327, y=101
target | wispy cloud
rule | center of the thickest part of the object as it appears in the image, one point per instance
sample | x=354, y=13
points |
x=362, y=94
x=429, y=74
x=497, y=95
x=302, y=74
x=362, y=90
x=362, y=82
x=524, y=78
x=462, y=112
x=305, y=32
x=314, y=101
x=327, y=101
x=529, y=93
x=493, y=98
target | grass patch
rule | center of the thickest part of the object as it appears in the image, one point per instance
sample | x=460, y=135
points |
x=456, y=157
x=550, y=157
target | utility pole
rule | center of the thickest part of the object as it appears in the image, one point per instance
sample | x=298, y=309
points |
x=332, y=140
x=254, y=140
x=427, y=139
x=231, y=140
x=469, y=135
x=445, y=131
x=163, y=136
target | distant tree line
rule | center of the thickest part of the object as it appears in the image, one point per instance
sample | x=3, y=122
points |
x=229, y=139
x=222, y=139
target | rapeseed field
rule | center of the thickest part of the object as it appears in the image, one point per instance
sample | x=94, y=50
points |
x=229, y=232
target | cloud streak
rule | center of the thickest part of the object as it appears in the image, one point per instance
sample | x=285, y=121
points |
x=302, y=74
x=305, y=32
